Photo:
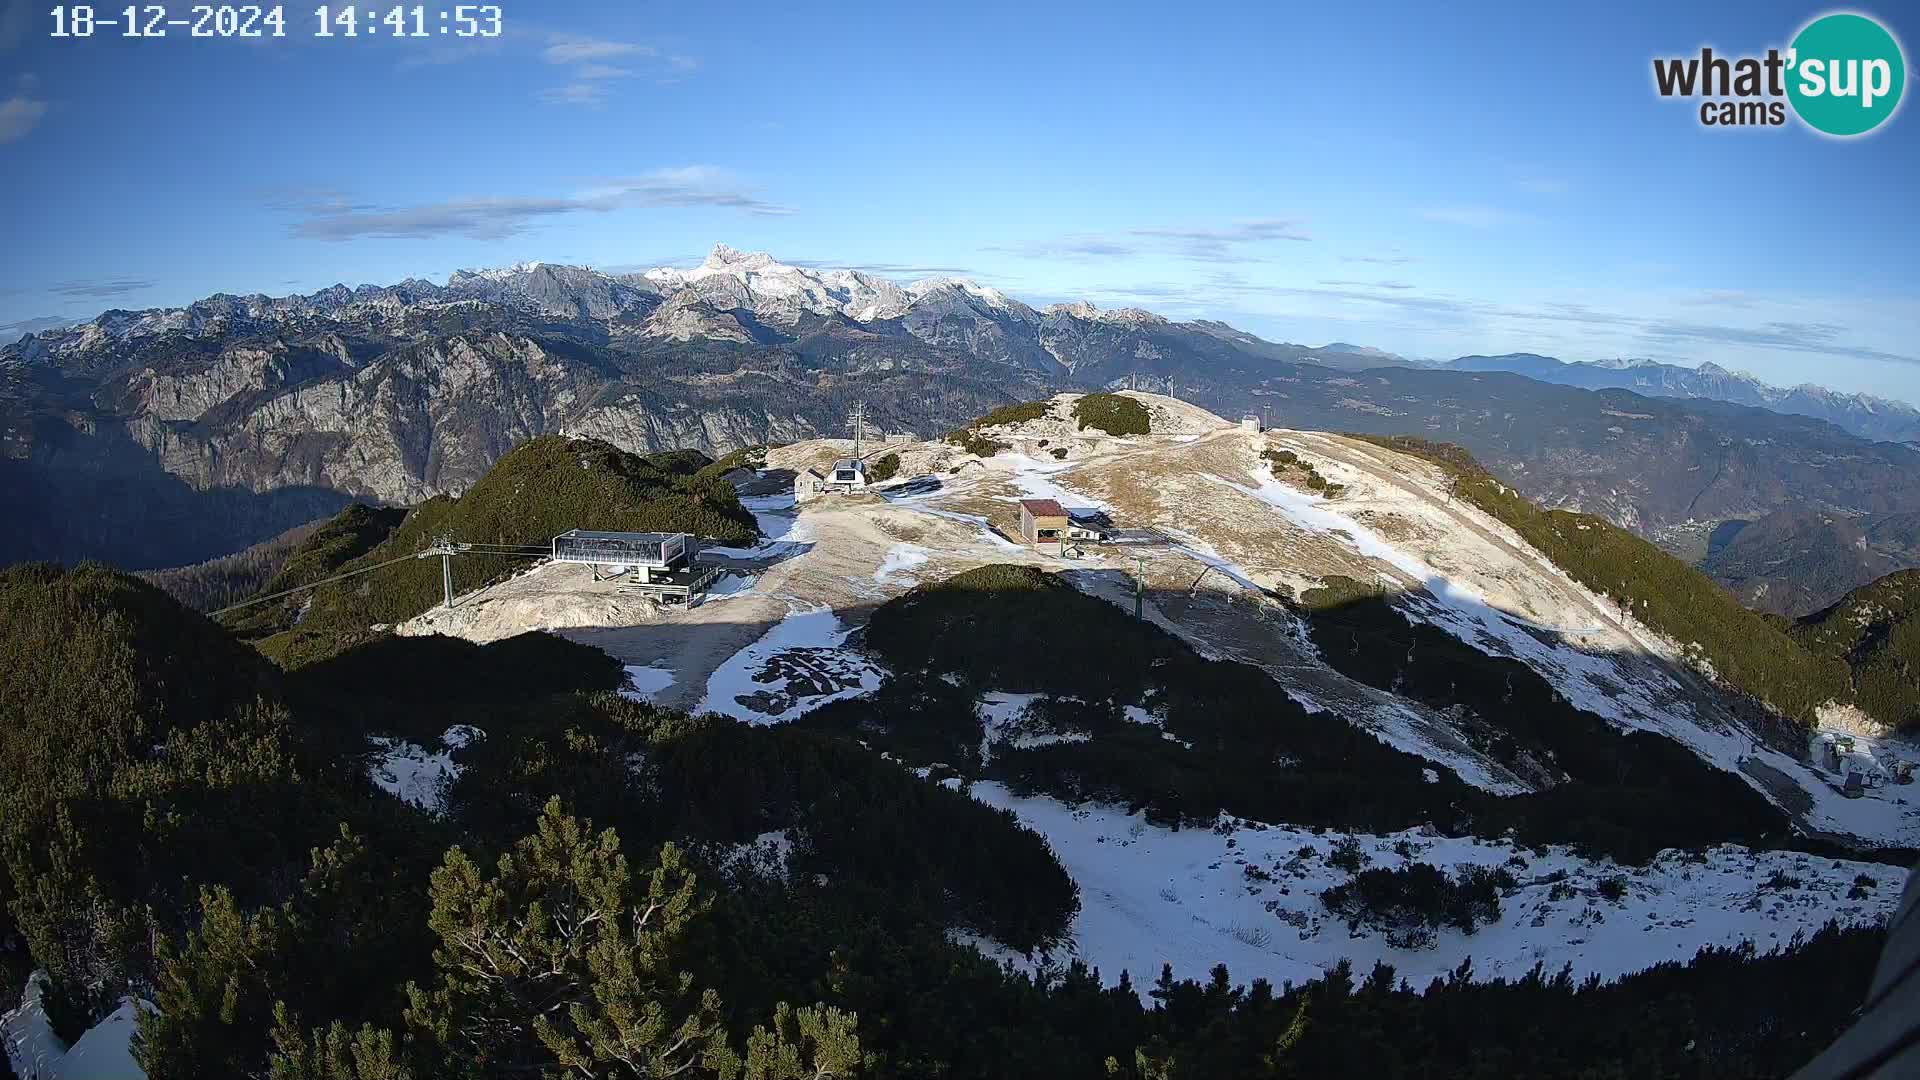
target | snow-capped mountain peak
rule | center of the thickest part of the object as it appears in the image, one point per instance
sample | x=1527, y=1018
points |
x=1086, y=310
x=726, y=260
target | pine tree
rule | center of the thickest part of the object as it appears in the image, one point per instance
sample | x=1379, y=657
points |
x=213, y=993
x=335, y=1053
x=233, y=984
x=826, y=1035
x=558, y=962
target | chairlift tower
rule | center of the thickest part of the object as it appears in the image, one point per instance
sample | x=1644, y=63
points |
x=444, y=547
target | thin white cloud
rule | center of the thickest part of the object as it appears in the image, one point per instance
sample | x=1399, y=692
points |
x=595, y=63
x=329, y=216
x=1370, y=284
x=570, y=49
x=10, y=331
x=1812, y=338
x=1222, y=244
x=100, y=289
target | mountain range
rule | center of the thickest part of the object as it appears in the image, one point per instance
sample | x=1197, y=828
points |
x=1862, y=414
x=167, y=436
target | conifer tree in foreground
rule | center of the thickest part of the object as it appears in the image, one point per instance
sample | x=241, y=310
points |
x=560, y=963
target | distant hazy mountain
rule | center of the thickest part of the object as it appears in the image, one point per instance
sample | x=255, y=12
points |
x=168, y=436
x=1862, y=414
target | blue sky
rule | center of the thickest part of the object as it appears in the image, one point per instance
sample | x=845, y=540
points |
x=1431, y=179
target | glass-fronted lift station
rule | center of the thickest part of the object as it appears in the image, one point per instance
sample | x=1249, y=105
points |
x=661, y=564
x=643, y=550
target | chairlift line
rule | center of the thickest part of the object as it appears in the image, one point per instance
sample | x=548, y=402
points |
x=311, y=585
x=440, y=549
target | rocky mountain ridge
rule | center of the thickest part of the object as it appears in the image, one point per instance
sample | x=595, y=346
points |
x=1864, y=415
x=165, y=437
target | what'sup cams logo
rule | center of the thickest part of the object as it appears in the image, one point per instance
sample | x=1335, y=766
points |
x=1842, y=76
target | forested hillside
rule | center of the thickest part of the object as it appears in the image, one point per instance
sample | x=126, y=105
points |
x=544, y=487
x=637, y=892
x=1875, y=630
x=211, y=585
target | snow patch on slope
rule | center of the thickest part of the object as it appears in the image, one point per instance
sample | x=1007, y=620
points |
x=416, y=775
x=900, y=559
x=646, y=682
x=798, y=665
x=103, y=1052
x=1033, y=478
x=1006, y=720
x=1248, y=895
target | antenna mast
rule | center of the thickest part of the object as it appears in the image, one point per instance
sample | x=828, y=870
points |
x=859, y=419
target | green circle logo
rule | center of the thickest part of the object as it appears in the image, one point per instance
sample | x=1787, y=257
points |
x=1845, y=74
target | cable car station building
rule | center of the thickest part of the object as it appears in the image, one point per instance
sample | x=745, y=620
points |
x=661, y=564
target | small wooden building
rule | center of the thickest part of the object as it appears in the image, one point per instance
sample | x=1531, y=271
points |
x=1044, y=524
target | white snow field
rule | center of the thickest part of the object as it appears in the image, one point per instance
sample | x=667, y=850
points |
x=416, y=775
x=1005, y=721
x=646, y=682
x=798, y=665
x=103, y=1052
x=901, y=560
x=1248, y=896
x=1034, y=479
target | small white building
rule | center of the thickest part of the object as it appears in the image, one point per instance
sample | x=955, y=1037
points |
x=847, y=475
x=1250, y=422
